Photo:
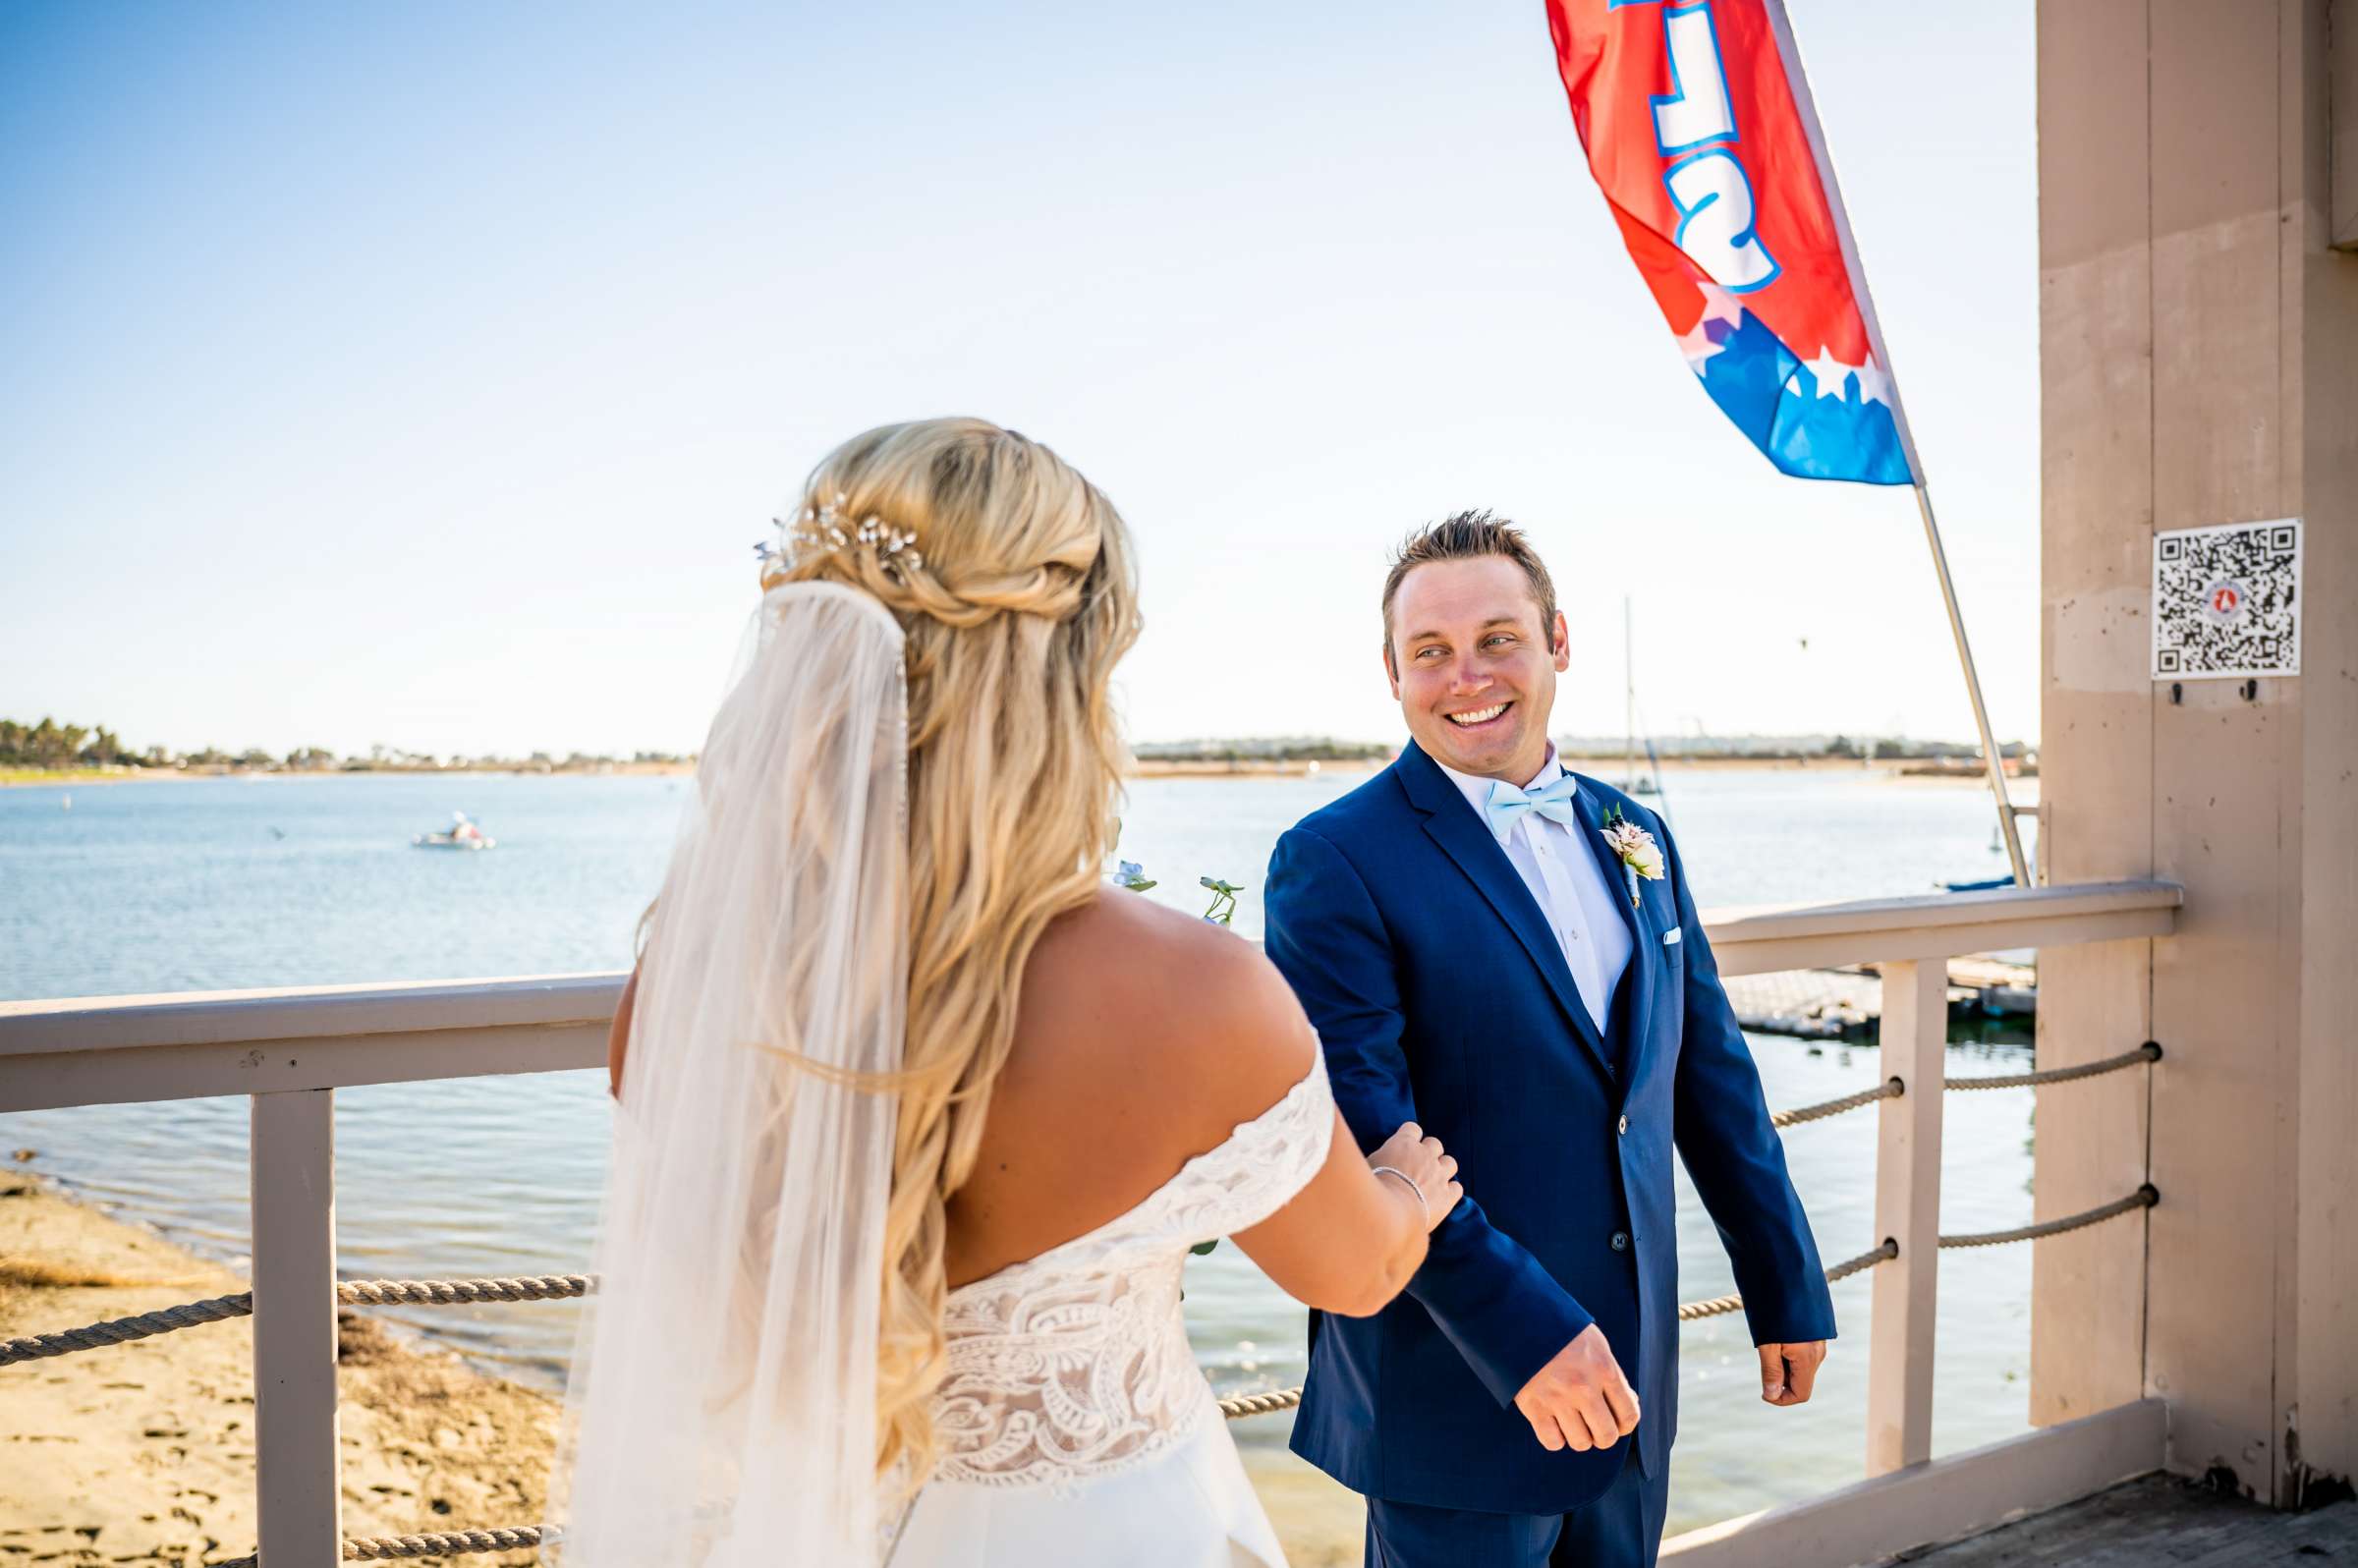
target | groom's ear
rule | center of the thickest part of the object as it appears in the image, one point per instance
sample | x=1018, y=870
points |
x=1559, y=637
x=1391, y=668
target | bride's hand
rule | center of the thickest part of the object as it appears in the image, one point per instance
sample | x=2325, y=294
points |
x=1431, y=1170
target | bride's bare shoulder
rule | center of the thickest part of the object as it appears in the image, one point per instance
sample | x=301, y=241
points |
x=1143, y=1038
x=1167, y=999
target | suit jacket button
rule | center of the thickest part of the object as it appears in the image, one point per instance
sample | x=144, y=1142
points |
x=1624, y=1127
x=1620, y=1241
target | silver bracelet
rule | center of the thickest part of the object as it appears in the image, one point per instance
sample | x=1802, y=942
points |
x=1395, y=1170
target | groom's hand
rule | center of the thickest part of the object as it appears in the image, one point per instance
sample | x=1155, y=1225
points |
x=1580, y=1400
x=1788, y=1373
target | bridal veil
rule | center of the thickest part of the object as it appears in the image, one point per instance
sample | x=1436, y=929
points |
x=722, y=1408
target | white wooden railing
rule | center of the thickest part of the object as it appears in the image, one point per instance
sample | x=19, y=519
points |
x=290, y=1049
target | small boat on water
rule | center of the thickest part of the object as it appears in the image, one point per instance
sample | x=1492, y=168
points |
x=1983, y=884
x=463, y=834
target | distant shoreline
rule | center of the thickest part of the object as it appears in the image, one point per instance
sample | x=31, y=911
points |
x=1247, y=767
x=1970, y=770
x=1911, y=769
x=36, y=779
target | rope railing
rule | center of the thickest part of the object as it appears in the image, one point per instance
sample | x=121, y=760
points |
x=445, y=1543
x=1719, y=1305
x=2145, y=1196
x=350, y=1293
x=555, y=1287
x=2150, y=1052
x=1889, y=1088
x=1268, y=1404
x=1893, y=1088
x=458, y=1292
x=123, y=1330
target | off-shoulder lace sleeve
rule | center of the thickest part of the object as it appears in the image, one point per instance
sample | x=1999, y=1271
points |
x=1261, y=1165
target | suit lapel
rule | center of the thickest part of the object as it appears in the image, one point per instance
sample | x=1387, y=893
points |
x=1643, y=944
x=1466, y=838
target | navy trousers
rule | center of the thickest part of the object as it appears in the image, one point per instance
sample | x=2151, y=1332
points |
x=1622, y=1528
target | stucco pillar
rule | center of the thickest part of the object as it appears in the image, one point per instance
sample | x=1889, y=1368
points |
x=2199, y=348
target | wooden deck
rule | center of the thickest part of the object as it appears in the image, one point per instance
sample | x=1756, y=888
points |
x=2157, y=1520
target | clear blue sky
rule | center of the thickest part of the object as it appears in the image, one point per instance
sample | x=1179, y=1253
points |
x=424, y=374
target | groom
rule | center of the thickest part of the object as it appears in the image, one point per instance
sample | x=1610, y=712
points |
x=1481, y=957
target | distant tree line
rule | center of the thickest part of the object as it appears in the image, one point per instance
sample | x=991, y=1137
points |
x=1280, y=749
x=1753, y=747
x=51, y=744
x=1783, y=747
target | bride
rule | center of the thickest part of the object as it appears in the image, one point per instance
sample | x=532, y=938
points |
x=917, y=1119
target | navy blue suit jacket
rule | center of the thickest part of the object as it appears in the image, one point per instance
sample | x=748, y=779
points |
x=1442, y=997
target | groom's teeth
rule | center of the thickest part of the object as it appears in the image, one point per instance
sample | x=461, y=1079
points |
x=1481, y=715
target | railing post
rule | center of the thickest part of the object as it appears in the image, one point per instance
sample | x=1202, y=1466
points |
x=292, y=1164
x=1907, y=1210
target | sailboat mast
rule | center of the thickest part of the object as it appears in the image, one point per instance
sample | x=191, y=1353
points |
x=1629, y=708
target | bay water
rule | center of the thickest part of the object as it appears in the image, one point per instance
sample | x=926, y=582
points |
x=223, y=883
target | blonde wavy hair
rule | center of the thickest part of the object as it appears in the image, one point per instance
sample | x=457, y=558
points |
x=1024, y=602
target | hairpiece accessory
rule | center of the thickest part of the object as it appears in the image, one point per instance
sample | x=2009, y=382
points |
x=819, y=529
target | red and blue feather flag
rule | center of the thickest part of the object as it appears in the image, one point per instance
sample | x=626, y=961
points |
x=1700, y=130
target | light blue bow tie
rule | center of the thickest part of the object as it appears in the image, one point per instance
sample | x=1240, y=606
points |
x=1507, y=803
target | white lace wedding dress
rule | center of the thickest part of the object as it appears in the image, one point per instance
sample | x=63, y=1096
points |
x=1077, y=1428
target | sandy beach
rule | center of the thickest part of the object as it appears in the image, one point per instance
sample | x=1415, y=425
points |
x=143, y=1453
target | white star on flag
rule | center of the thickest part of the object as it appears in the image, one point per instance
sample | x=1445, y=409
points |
x=1831, y=373
x=1875, y=383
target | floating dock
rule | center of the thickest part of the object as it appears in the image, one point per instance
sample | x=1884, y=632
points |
x=1847, y=1003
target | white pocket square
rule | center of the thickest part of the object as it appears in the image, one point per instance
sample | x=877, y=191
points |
x=1670, y=937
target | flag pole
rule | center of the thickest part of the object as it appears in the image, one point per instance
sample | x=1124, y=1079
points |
x=1807, y=107
x=1973, y=683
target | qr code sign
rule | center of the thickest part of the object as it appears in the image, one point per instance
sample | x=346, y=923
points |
x=2226, y=601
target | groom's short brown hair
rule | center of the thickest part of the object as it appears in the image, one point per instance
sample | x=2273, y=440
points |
x=1463, y=537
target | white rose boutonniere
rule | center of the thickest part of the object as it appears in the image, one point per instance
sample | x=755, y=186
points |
x=1640, y=854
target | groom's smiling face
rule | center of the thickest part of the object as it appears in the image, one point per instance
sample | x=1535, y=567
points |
x=1474, y=667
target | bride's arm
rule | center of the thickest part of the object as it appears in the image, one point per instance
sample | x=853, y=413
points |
x=618, y=1038
x=1350, y=1239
